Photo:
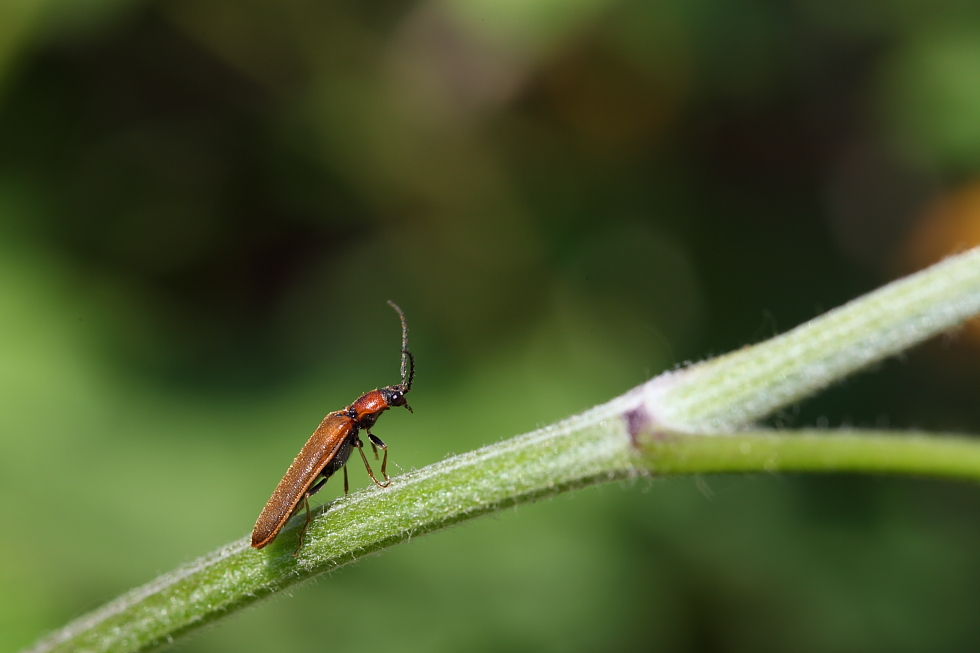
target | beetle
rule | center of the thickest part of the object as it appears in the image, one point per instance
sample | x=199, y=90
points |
x=330, y=446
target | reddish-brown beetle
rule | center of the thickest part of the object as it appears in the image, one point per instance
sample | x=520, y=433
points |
x=328, y=449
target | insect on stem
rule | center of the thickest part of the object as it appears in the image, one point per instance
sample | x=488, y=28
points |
x=329, y=448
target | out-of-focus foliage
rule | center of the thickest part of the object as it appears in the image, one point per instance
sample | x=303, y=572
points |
x=205, y=205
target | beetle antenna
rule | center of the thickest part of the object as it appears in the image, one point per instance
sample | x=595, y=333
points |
x=408, y=361
x=411, y=372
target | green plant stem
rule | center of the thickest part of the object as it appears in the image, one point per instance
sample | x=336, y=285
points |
x=669, y=425
x=589, y=449
x=732, y=391
x=870, y=452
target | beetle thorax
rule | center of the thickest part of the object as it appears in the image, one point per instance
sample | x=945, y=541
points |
x=369, y=407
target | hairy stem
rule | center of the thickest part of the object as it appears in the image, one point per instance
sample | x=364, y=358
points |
x=669, y=425
x=590, y=449
x=738, y=388
x=871, y=452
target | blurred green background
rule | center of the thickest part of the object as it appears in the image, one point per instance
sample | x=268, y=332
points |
x=205, y=204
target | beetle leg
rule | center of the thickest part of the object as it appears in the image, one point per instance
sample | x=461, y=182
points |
x=306, y=504
x=316, y=487
x=375, y=441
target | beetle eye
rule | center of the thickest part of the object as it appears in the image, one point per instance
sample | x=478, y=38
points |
x=397, y=399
